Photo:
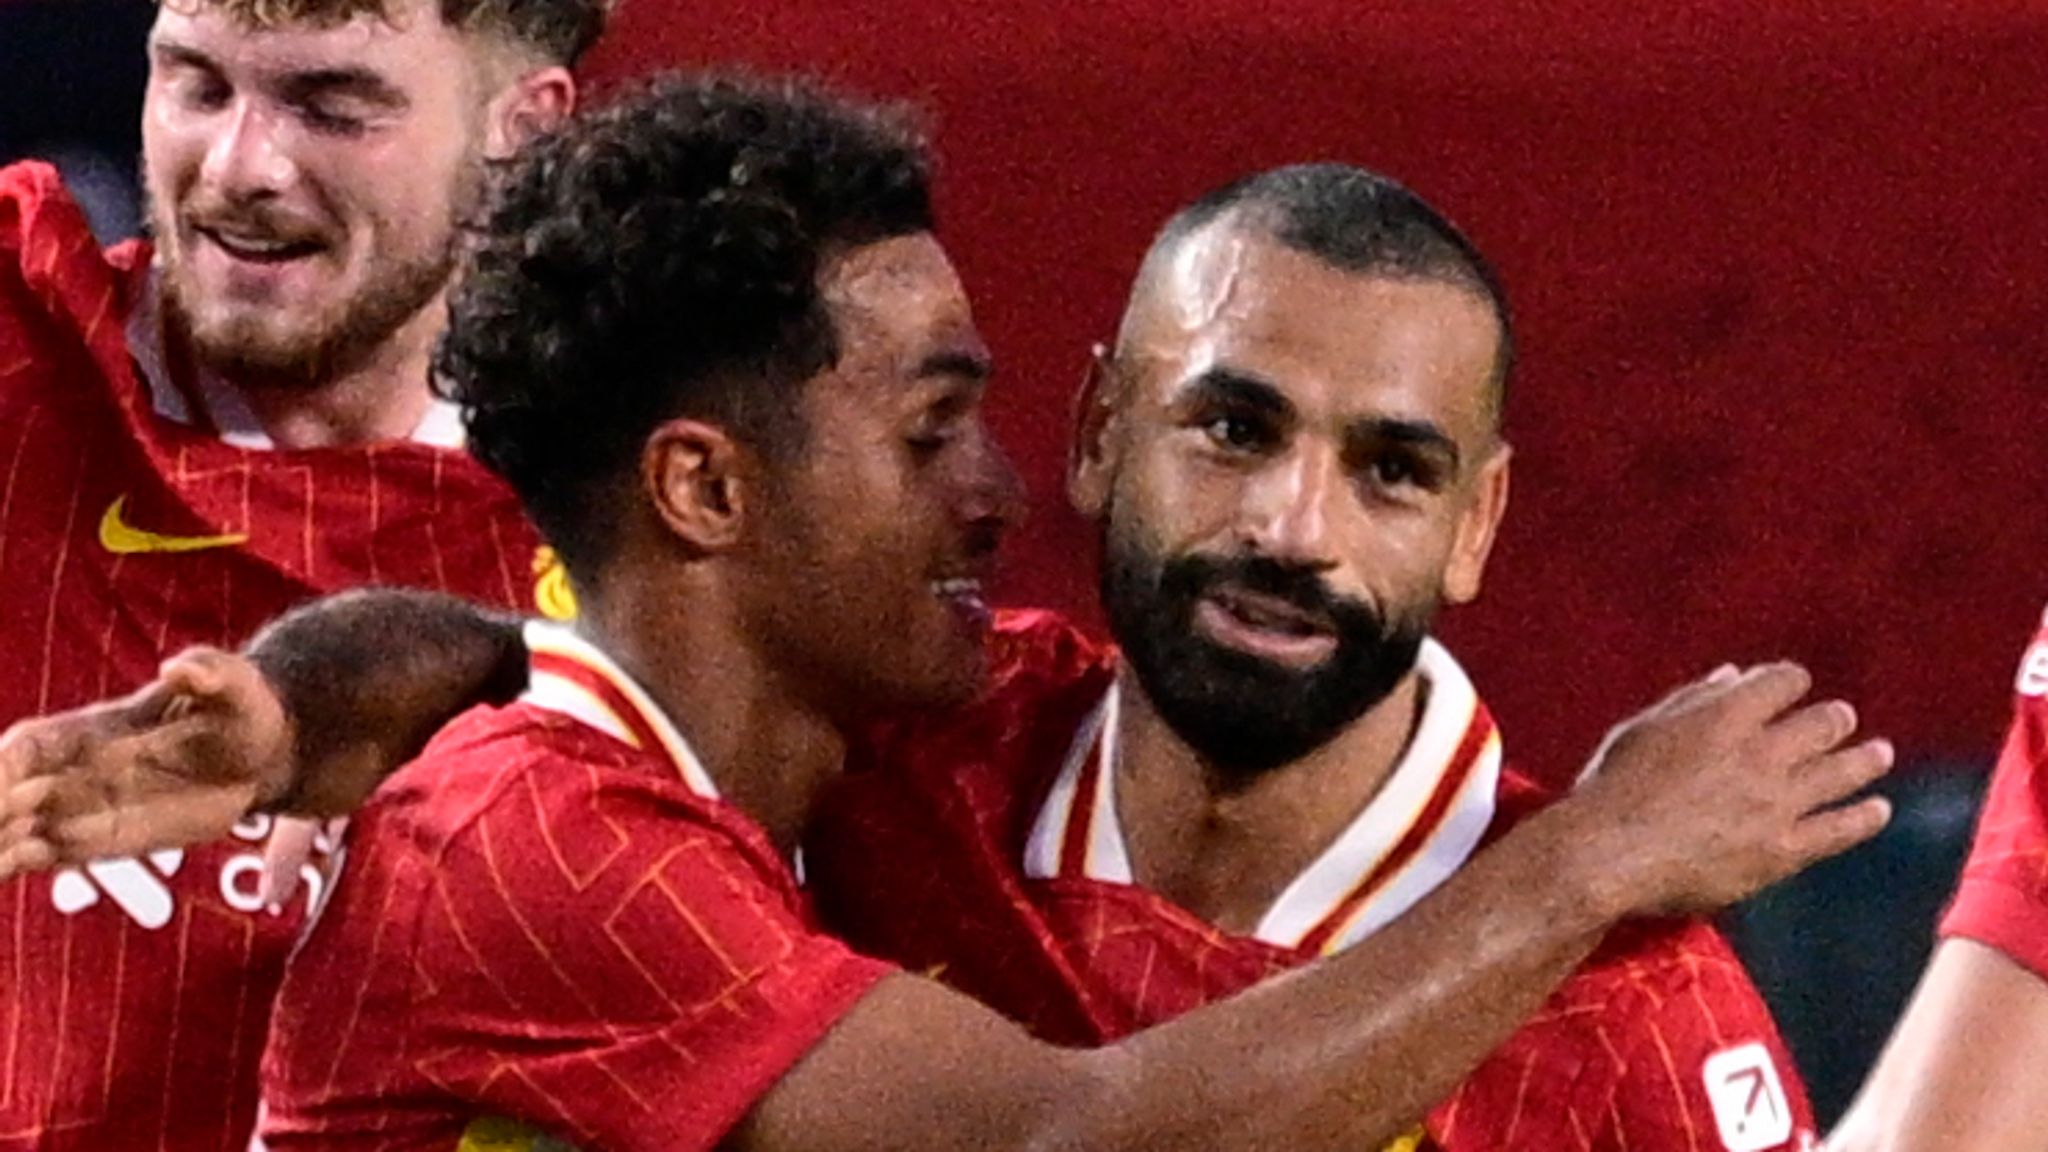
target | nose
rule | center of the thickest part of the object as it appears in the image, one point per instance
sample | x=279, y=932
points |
x=248, y=159
x=1287, y=506
x=995, y=493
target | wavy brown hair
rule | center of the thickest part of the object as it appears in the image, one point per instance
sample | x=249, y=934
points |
x=560, y=30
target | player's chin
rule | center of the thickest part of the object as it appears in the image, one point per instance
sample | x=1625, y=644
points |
x=948, y=671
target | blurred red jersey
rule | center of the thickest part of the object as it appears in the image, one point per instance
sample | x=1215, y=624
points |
x=986, y=849
x=2002, y=900
x=551, y=918
x=134, y=994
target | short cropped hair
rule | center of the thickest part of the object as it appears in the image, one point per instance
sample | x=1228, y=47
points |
x=660, y=258
x=1357, y=221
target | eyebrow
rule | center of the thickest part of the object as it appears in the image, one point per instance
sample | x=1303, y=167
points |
x=1227, y=385
x=358, y=82
x=968, y=365
x=1224, y=384
x=1425, y=435
x=176, y=53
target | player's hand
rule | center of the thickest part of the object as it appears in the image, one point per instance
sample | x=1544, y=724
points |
x=1726, y=786
x=177, y=763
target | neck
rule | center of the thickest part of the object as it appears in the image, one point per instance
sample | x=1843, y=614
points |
x=1223, y=849
x=380, y=396
x=768, y=751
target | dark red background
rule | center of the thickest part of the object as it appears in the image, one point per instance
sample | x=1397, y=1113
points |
x=1776, y=264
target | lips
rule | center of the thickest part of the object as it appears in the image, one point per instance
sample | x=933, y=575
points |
x=1266, y=627
x=1271, y=613
x=963, y=594
x=258, y=247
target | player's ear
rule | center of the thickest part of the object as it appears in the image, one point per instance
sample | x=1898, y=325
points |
x=535, y=103
x=1478, y=526
x=695, y=475
x=1092, y=451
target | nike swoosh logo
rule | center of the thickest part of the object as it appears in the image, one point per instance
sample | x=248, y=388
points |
x=124, y=539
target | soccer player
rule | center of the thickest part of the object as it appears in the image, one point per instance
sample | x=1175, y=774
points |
x=1294, y=452
x=710, y=339
x=1962, y=1069
x=197, y=433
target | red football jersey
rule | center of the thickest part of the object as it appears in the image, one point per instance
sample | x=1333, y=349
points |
x=134, y=993
x=552, y=917
x=2002, y=900
x=985, y=848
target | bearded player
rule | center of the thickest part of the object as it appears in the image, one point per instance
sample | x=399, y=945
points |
x=1963, y=1068
x=198, y=433
x=1295, y=454
x=711, y=340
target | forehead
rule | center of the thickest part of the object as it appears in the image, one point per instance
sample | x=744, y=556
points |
x=1328, y=339
x=411, y=35
x=898, y=299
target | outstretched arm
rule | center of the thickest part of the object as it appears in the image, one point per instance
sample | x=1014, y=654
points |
x=1722, y=789
x=1963, y=1068
x=323, y=704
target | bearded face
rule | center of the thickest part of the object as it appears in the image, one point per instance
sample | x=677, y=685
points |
x=1246, y=713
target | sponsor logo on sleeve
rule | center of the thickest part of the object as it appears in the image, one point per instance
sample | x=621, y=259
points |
x=1750, y=1109
x=2033, y=677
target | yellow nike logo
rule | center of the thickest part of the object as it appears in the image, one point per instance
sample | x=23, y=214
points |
x=124, y=539
x=552, y=594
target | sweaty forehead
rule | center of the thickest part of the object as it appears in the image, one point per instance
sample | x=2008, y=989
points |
x=898, y=300
x=256, y=36
x=1232, y=298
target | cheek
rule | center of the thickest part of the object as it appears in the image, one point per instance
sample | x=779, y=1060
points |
x=1176, y=499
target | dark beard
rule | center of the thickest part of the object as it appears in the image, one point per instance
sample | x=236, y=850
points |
x=1246, y=716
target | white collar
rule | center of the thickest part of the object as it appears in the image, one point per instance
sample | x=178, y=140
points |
x=223, y=405
x=1423, y=825
x=572, y=677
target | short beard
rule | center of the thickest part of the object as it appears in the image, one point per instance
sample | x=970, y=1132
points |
x=248, y=350
x=1242, y=715
x=242, y=349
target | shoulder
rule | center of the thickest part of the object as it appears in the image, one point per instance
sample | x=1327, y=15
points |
x=523, y=774
x=41, y=227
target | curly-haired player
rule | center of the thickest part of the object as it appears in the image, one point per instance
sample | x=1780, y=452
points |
x=203, y=430
x=710, y=338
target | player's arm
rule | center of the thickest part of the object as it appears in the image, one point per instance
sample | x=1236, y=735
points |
x=1962, y=1068
x=1353, y=1050
x=1702, y=1063
x=703, y=1004
x=324, y=703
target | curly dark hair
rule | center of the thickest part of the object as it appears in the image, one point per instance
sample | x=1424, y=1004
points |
x=656, y=258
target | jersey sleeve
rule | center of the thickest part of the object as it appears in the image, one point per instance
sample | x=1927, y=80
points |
x=2002, y=899
x=1665, y=1046
x=606, y=965
x=1704, y=1067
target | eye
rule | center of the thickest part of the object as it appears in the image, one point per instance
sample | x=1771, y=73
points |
x=205, y=92
x=1238, y=432
x=327, y=118
x=1395, y=470
x=924, y=445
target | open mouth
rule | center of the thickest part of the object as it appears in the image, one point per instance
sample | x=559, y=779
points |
x=964, y=596
x=1266, y=626
x=250, y=248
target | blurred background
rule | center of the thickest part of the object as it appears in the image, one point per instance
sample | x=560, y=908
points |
x=1777, y=268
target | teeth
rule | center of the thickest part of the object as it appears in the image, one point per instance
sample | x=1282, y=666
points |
x=259, y=247
x=957, y=587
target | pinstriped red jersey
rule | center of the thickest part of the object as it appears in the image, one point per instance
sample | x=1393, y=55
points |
x=984, y=848
x=2002, y=899
x=552, y=918
x=134, y=994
